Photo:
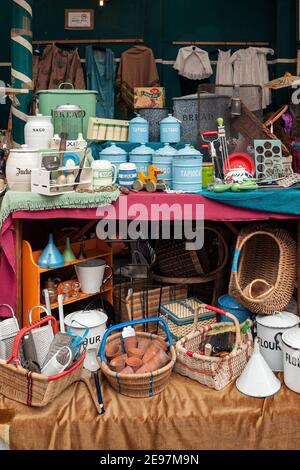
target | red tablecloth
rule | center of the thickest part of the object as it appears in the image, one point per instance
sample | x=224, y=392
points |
x=142, y=205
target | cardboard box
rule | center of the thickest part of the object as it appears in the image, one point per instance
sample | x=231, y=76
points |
x=152, y=97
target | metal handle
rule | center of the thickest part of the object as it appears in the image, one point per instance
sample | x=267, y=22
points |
x=34, y=308
x=71, y=86
x=112, y=329
x=9, y=307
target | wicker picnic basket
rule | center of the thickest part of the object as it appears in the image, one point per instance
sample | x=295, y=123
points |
x=180, y=315
x=265, y=256
x=137, y=385
x=213, y=372
x=30, y=388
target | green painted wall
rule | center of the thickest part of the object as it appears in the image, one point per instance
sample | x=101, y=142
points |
x=160, y=22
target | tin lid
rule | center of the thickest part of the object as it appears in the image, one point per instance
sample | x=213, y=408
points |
x=86, y=319
x=142, y=150
x=292, y=338
x=139, y=120
x=63, y=108
x=166, y=150
x=189, y=151
x=226, y=302
x=279, y=320
x=170, y=120
x=113, y=149
x=24, y=149
x=67, y=91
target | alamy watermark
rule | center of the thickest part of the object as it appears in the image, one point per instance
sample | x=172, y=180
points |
x=154, y=221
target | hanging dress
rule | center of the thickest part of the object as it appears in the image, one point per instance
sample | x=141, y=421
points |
x=100, y=72
x=224, y=75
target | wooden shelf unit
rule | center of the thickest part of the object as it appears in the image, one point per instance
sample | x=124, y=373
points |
x=32, y=274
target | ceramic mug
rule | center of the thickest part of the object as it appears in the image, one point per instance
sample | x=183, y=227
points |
x=127, y=174
x=104, y=173
x=91, y=275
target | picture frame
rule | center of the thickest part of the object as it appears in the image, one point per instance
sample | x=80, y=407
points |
x=79, y=19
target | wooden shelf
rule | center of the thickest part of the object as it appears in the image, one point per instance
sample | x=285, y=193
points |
x=73, y=263
x=33, y=280
x=81, y=297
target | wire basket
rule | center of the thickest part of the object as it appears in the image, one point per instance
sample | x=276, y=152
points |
x=214, y=372
x=264, y=269
x=9, y=329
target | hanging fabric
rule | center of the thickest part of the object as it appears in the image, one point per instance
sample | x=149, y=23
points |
x=193, y=63
x=100, y=73
x=58, y=65
x=137, y=69
x=224, y=74
x=251, y=68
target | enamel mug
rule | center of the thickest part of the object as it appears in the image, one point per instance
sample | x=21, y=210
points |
x=104, y=173
x=291, y=359
x=127, y=174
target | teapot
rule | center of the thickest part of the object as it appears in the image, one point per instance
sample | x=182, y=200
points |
x=52, y=286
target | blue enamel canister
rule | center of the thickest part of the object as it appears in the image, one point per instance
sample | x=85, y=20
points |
x=187, y=170
x=228, y=304
x=138, y=130
x=163, y=160
x=170, y=130
x=142, y=158
x=114, y=154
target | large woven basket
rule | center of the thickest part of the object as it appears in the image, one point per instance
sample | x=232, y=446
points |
x=174, y=261
x=29, y=388
x=264, y=254
x=137, y=385
x=213, y=372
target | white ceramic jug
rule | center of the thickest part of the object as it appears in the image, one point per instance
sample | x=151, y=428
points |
x=104, y=173
x=91, y=275
x=39, y=132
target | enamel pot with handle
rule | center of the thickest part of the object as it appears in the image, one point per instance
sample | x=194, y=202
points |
x=269, y=332
x=291, y=359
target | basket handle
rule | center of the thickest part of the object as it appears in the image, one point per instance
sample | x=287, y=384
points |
x=112, y=329
x=236, y=260
x=9, y=307
x=221, y=312
x=17, y=342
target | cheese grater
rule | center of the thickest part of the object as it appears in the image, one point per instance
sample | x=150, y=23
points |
x=9, y=328
x=41, y=337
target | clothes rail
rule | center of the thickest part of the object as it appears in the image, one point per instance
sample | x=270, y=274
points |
x=89, y=41
x=211, y=43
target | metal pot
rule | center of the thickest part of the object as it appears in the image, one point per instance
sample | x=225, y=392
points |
x=269, y=332
x=96, y=321
x=291, y=359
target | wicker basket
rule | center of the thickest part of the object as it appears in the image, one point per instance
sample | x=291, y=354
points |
x=213, y=372
x=173, y=260
x=29, y=388
x=180, y=316
x=145, y=301
x=264, y=255
x=137, y=385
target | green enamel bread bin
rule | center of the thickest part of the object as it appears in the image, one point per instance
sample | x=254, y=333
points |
x=86, y=99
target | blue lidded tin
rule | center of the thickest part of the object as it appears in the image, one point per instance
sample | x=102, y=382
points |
x=228, y=304
x=142, y=158
x=170, y=130
x=187, y=170
x=114, y=154
x=138, y=130
x=163, y=160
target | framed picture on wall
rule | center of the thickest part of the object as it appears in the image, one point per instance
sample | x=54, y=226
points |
x=79, y=19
